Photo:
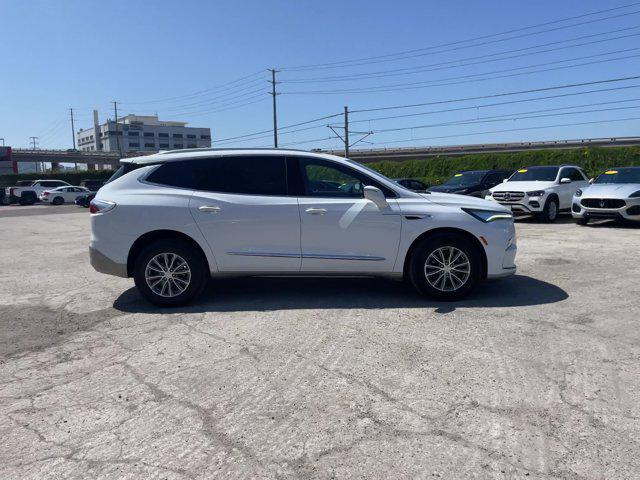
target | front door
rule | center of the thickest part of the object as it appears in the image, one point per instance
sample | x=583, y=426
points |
x=244, y=212
x=568, y=190
x=341, y=232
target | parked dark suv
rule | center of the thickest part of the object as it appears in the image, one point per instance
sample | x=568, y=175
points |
x=472, y=182
x=412, y=184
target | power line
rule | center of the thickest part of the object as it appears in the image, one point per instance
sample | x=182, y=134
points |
x=473, y=78
x=406, y=54
x=325, y=117
x=231, y=106
x=280, y=133
x=518, y=116
x=472, y=60
x=220, y=99
x=509, y=130
x=494, y=104
x=495, y=95
x=203, y=92
x=219, y=105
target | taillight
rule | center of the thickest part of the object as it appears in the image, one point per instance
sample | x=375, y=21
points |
x=46, y=194
x=100, y=206
x=11, y=190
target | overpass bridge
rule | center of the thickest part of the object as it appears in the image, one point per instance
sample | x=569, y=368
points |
x=111, y=159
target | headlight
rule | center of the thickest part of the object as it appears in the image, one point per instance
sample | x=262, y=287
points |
x=488, y=215
x=635, y=194
x=579, y=193
x=536, y=193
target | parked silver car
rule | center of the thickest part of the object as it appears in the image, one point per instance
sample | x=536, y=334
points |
x=614, y=194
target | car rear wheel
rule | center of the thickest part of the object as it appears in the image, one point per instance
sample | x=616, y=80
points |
x=57, y=201
x=170, y=273
x=445, y=267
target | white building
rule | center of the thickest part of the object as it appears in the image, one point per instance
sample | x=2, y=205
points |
x=142, y=133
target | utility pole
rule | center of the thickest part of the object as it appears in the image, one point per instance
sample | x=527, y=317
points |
x=275, y=109
x=345, y=136
x=346, y=132
x=73, y=135
x=73, y=129
x=34, y=142
x=115, y=110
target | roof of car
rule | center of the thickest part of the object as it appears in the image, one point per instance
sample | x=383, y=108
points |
x=171, y=155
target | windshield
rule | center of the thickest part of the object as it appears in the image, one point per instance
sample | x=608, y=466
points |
x=535, y=174
x=620, y=175
x=465, y=178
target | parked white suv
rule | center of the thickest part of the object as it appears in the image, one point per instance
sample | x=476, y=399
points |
x=543, y=191
x=172, y=219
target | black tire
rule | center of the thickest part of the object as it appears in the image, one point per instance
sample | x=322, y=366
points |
x=582, y=221
x=57, y=201
x=550, y=212
x=418, y=268
x=193, y=258
x=26, y=200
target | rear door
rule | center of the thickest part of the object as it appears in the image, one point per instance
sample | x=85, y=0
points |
x=243, y=209
x=341, y=231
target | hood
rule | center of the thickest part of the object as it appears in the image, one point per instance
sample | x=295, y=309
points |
x=451, y=200
x=610, y=190
x=449, y=188
x=522, y=186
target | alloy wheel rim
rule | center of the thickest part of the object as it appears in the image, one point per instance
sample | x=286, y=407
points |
x=553, y=210
x=167, y=275
x=447, y=269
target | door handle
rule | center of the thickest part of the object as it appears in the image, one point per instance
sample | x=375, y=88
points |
x=316, y=211
x=209, y=209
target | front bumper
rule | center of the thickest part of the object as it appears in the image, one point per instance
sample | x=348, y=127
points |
x=630, y=211
x=524, y=206
x=103, y=264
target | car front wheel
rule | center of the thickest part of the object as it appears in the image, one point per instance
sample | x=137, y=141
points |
x=445, y=267
x=170, y=273
x=550, y=212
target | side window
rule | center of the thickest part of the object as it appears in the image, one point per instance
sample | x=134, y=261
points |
x=323, y=180
x=175, y=174
x=576, y=175
x=565, y=173
x=327, y=179
x=250, y=175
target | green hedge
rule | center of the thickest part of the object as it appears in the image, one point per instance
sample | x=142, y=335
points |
x=435, y=170
x=74, y=178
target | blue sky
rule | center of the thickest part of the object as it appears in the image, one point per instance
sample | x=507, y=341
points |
x=144, y=54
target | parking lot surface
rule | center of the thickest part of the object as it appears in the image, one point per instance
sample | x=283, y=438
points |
x=535, y=376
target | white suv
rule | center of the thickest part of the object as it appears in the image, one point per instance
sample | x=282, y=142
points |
x=543, y=191
x=172, y=219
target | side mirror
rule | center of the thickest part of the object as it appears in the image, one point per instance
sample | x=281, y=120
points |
x=591, y=180
x=565, y=180
x=376, y=196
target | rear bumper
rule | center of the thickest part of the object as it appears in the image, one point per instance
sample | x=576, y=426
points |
x=103, y=264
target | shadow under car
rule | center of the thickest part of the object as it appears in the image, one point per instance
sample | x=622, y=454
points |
x=286, y=293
